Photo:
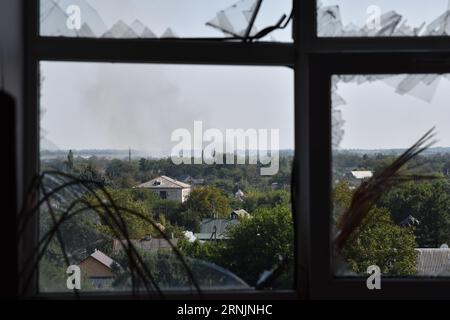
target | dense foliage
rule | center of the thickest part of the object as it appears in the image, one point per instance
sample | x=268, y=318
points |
x=260, y=241
x=378, y=241
x=255, y=245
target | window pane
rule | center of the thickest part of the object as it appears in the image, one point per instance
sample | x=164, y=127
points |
x=382, y=18
x=163, y=141
x=376, y=118
x=162, y=19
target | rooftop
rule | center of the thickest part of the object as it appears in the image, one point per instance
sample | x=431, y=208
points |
x=102, y=258
x=164, y=182
x=362, y=174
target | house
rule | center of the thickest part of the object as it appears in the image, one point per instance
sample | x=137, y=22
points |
x=241, y=213
x=433, y=262
x=190, y=180
x=147, y=245
x=356, y=177
x=168, y=188
x=98, y=267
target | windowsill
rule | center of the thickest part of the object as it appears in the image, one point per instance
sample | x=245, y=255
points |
x=175, y=295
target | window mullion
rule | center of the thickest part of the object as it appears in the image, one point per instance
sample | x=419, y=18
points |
x=165, y=51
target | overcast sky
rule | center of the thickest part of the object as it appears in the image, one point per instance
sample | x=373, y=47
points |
x=116, y=106
x=377, y=117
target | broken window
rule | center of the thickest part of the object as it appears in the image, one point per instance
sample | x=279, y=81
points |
x=243, y=19
x=382, y=18
x=376, y=119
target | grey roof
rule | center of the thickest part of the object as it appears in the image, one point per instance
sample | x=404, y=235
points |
x=218, y=225
x=208, y=236
x=241, y=213
x=433, y=261
x=164, y=182
x=190, y=180
x=151, y=245
x=360, y=175
x=184, y=177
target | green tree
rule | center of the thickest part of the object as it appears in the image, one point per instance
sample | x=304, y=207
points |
x=121, y=173
x=136, y=226
x=258, y=243
x=207, y=202
x=254, y=245
x=429, y=203
x=378, y=241
x=383, y=243
x=255, y=198
x=91, y=172
x=342, y=197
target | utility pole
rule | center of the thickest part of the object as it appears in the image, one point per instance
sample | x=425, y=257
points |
x=129, y=155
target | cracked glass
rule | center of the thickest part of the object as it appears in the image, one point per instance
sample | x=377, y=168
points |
x=391, y=175
x=266, y=20
x=383, y=18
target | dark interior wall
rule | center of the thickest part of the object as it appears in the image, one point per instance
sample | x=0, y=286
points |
x=12, y=69
x=11, y=49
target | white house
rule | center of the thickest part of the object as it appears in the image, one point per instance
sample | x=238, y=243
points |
x=357, y=177
x=168, y=188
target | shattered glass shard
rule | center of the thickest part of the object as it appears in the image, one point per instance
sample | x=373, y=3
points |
x=150, y=19
x=53, y=18
x=391, y=24
x=142, y=30
x=330, y=22
x=440, y=26
x=169, y=33
x=235, y=20
x=120, y=30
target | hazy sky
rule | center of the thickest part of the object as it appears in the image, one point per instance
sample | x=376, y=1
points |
x=116, y=106
x=377, y=117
